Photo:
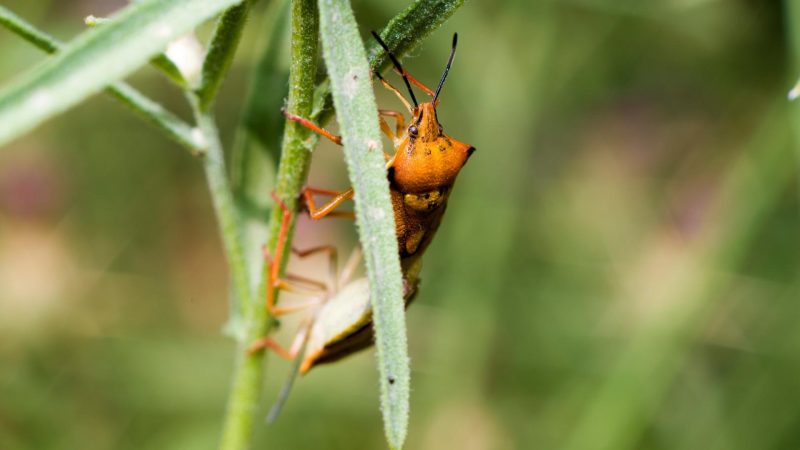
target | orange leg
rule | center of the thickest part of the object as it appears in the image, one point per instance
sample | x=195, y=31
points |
x=318, y=285
x=399, y=128
x=333, y=263
x=296, y=283
x=327, y=210
x=292, y=352
x=272, y=345
x=273, y=266
x=283, y=284
x=400, y=121
x=316, y=289
x=274, y=282
x=313, y=127
x=419, y=84
x=416, y=82
x=387, y=130
x=399, y=95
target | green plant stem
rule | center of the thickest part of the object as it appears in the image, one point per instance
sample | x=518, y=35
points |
x=222, y=199
x=297, y=147
x=146, y=108
x=247, y=381
x=295, y=159
x=27, y=31
x=153, y=113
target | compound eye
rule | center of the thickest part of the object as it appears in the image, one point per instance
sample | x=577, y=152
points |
x=413, y=131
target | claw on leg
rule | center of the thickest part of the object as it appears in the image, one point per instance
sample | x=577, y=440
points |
x=269, y=343
x=313, y=127
x=273, y=264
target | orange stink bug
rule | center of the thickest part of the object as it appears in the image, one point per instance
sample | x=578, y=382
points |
x=421, y=175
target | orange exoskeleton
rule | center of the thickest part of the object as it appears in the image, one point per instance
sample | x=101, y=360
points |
x=421, y=172
x=421, y=175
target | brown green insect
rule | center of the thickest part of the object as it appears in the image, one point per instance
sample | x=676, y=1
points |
x=421, y=175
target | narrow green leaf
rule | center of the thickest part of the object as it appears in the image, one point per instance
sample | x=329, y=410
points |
x=357, y=113
x=169, y=69
x=97, y=58
x=406, y=30
x=160, y=61
x=149, y=110
x=220, y=53
x=402, y=34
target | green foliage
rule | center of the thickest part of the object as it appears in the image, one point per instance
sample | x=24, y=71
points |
x=358, y=120
x=97, y=58
x=257, y=144
x=617, y=267
x=292, y=171
x=146, y=108
x=411, y=27
x=402, y=34
x=220, y=53
x=27, y=31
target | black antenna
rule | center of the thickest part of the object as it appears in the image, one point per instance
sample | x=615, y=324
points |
x=446, y=69
x=396, y=66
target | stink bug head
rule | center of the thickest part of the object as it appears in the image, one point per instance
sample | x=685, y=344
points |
x=425, y=126
x=428, y=159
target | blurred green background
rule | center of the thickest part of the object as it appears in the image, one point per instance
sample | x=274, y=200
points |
x=618, y=268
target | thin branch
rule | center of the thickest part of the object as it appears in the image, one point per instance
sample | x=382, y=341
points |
x=222, y=198
x=27, y=31
x=152, y=112
x=292, y=172
x=97, y=58
x=146, y=108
